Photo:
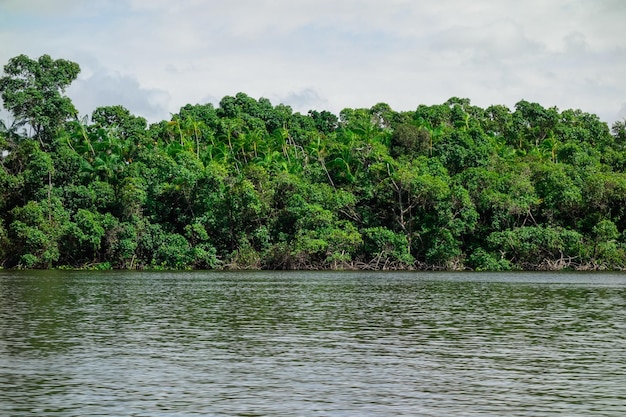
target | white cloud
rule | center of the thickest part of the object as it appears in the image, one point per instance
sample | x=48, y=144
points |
x=336, y=54
x=102, y=89
x=302, y=101
x=621, y=113
x=39, y=6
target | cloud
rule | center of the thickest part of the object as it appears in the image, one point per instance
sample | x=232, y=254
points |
x=40, y=6
x=108, y=89
x=621, y=114
x=304, y=100
x=333, y=54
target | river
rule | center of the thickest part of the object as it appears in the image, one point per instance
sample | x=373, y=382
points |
x=312, y=344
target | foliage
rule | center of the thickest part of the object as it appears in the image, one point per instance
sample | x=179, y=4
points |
x=248, y=184
x=32, y=92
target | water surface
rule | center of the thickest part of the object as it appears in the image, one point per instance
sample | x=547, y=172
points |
x=312, y=344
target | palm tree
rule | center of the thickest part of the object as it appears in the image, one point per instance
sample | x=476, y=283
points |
x=549, y=147
x=434, y=133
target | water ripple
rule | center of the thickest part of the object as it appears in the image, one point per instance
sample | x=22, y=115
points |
x=312, y=344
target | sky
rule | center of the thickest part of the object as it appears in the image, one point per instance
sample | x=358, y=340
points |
x=155, y=56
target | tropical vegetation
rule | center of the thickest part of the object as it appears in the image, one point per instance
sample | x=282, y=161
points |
x=248, y=184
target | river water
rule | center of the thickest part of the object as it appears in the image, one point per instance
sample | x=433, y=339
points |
x=312, y=344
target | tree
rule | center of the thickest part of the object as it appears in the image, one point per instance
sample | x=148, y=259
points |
x=408, y=139
x=119, y=117
x=619, y=132
x=533, y=123
x=252, y=185
x=410, y=192
x=325, y=121
x=33, y=92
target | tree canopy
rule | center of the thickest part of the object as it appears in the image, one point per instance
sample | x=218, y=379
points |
x=249, y=184
x=32, y=90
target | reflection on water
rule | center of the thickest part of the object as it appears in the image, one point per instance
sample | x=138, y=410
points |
x=312, y=344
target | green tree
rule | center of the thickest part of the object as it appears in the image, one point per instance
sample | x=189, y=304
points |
x=410, y=192
x=36, y=233
x=538, y=247
x=325, y=121
x=409, y=139
x=386, y=249
x=32, y=90
x=253, y=185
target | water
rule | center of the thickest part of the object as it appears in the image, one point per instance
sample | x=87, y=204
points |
x=312, y=344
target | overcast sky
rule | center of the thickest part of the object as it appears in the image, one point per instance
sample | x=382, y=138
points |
x=154, y=56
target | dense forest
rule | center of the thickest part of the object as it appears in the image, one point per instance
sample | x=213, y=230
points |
x=249, y=184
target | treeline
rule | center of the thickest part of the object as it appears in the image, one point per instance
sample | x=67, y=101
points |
x=249, y=184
